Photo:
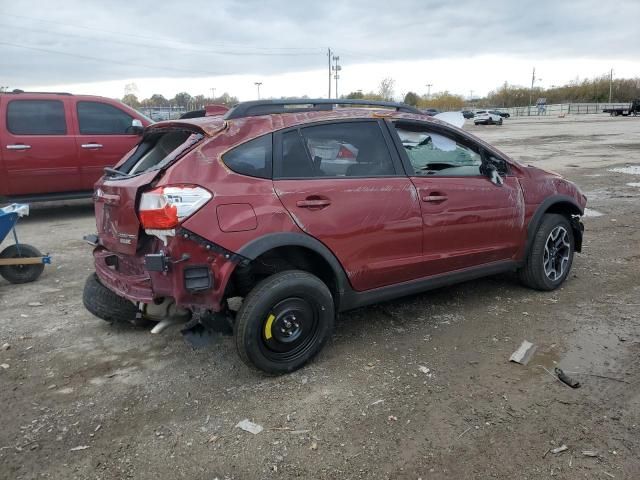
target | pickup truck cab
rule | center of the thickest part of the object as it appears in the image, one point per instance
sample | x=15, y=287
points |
x=55, y=145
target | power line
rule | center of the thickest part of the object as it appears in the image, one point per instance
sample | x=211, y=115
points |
x=107, y=60
x=149, y=37
x=164, y=47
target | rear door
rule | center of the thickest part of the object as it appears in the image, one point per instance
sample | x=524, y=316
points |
x=103, y=135
x=343, y=185
x=468, y=220
x=37, y=146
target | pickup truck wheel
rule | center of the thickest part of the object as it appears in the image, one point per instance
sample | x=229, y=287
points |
x=551, y=254
x=105, y=304
x=284, y=322
x=21, y=273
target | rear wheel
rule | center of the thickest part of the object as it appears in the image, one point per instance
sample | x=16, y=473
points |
x=284, y=322
x=551, y=254
x=21, y=273
x=105, y=304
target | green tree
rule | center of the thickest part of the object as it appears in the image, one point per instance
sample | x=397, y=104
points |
x=131, y=100
x=411, y=98
x=182, y=99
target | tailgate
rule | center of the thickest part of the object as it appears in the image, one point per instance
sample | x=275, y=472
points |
x=116, y=215
x=116, y=194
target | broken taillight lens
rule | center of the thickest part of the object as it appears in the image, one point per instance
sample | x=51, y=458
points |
x=164, y=208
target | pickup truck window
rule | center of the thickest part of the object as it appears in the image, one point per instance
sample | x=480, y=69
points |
x=95, y=118
x=36, y=117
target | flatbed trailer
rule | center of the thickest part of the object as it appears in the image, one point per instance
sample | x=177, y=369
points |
x=632, y=109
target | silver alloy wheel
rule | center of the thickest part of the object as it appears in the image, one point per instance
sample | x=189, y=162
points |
x=557, y=250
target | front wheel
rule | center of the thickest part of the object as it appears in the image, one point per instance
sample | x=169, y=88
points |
x=551, y=254
x=21, y=273
x=284, y=322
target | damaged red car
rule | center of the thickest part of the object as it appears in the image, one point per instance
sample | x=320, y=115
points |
x=296, y=210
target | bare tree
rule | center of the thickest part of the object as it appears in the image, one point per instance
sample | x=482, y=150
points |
x=386, y=88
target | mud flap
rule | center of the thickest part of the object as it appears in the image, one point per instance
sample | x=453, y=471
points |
x=206, y=327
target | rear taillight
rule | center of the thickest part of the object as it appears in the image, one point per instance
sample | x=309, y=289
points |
x=165, y=207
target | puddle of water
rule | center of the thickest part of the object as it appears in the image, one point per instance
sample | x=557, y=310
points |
x=588, y=212
x=633, y=184
x=631, y=169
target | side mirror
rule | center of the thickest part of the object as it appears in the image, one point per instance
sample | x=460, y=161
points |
x=136, y=126
x=490, y=170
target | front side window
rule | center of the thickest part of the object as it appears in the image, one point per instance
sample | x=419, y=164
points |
x=346, y=149
x=36, y=117
x=95, y=118
x=432, y=153
x=252, y=158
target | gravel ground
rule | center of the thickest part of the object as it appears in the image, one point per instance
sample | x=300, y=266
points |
x=420, y=387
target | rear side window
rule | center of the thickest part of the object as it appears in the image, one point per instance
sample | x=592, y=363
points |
x=253, y=158
x=347, y=149
x=95, y=118
x=36, y=117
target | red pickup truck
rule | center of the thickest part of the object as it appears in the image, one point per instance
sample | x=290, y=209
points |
x=55, y=145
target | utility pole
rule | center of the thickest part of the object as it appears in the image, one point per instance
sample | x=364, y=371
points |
x=533, y=79
x=336, y=69
x=329, y=57
x=610, y=84
x=471, y=96
x=257, y=84
x=429, y=85
x=213, y=93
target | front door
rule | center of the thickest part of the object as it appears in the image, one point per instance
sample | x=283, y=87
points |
x=342, y=185
x=468, y=219
x=104, y=135
x=38, y=151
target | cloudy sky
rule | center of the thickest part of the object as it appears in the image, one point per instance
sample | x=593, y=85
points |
x=91, y=47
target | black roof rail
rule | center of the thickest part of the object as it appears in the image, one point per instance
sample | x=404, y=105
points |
x=267, y=107
x=17, y=90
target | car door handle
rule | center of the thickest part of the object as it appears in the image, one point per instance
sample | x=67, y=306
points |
x=314, y=203
x=434, y=198
x=18, y=146
x=91, y=146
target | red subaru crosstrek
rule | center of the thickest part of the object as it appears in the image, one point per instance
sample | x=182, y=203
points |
x=307, y=208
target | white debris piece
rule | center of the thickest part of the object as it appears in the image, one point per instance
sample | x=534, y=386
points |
x=78, y=448
x=249, y=426
x=588, y=212
x=524, y=353
x=560, y=449
x=423, y=369
x=6, y=346
x=589, y=453
x=630, y=169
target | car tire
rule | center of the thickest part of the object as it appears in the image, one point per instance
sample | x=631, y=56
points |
x=551, y=254
x=284, y=322
x=105, y=304
x=500, y=122
x=21, y=273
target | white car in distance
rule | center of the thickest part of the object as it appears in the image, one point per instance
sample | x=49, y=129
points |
x=484, y=117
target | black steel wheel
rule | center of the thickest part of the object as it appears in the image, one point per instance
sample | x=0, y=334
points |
x=284, y=322
x=551, y=254
x=21, y=273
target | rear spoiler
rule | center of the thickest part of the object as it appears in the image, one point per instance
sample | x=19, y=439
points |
x=208, y=111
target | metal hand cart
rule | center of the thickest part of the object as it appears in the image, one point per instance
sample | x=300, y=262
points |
x=19, y=263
